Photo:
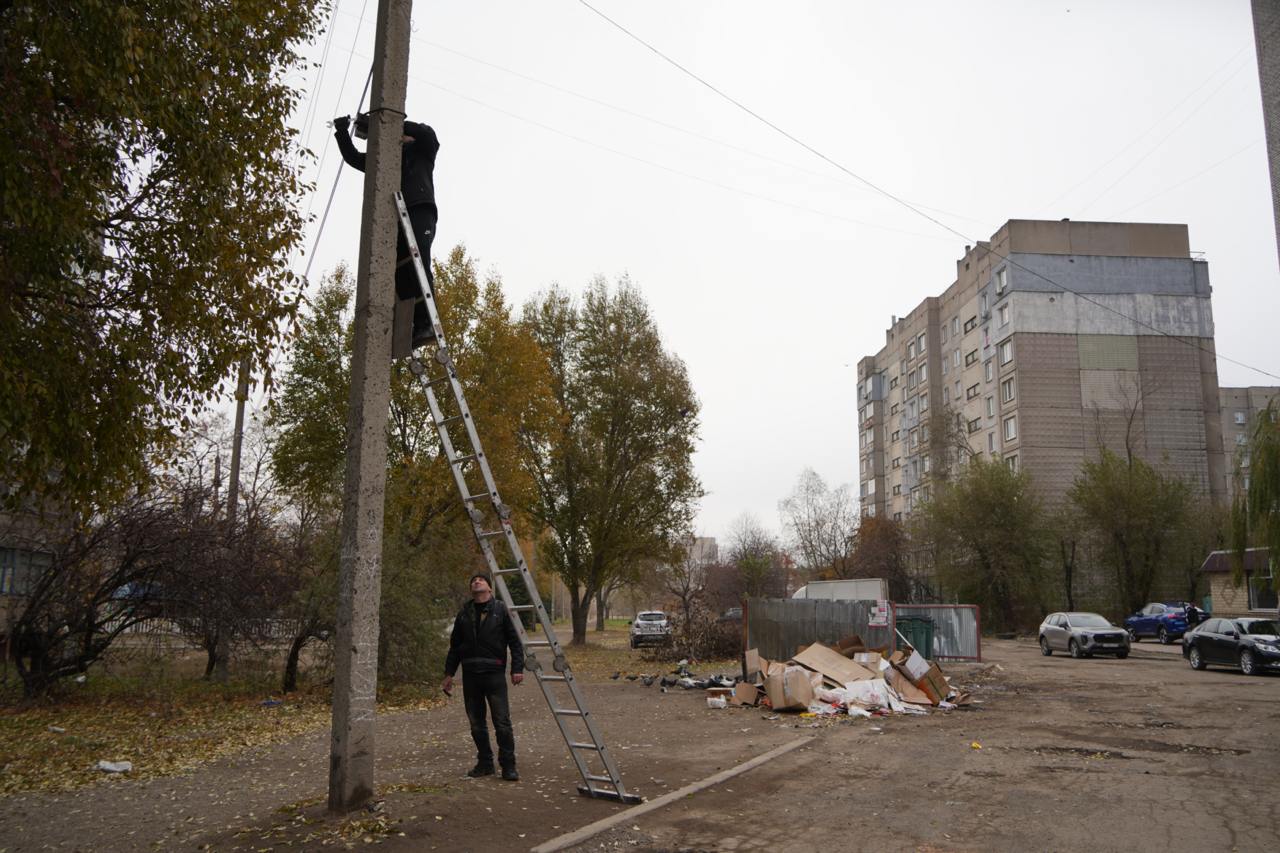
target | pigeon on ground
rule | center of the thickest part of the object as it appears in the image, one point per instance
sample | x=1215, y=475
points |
x=632, y=677
x=615, y=676
x=647, y=680
x=667, y=682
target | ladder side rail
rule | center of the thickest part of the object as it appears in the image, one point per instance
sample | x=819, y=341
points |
x=416, y=255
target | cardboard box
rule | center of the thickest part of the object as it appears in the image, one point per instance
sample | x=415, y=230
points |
x=752, y=664
x=908, y=691
x=910, y=663
x=746, y=694
x=933, y=684
x=835, y=667
x=789, y=689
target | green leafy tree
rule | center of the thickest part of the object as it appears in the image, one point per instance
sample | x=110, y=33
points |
x=151, y=202
x=1135, y=514
x=985, y=529
x=1255, y=513
x=614, y=474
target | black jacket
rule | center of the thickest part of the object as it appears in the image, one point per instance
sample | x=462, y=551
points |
x=417, y=162
x=481, y=645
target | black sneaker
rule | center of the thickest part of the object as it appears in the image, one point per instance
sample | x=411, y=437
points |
x=480, y=770
x=509, y=774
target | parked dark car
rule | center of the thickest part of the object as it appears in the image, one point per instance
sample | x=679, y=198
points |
x=1253, y=645
x=1166, y=621
x=1082, y=635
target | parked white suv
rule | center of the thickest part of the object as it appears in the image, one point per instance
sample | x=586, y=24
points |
x=651, y=627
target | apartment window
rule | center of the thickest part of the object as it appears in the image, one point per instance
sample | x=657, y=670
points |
x=924, y=492
x=955, y=358
x=893, y=410
x=1012, y=461
x=20, y=568
x=1241, y=439
x=897, y=462
x=915, y=439
x=920, y=341
x=944, y=365
x=911, y=349
x=924, y=402
x=911, y=379
x=924, y=433
x=911, y=408
x=897, y=490
x=946, y=395
x=1240, y=418
x=1262, y=590
x=915, y=469
x=1006, y=352
x=986, y=370
x=925, y=467
x=871, y=511
x=897, y=516
x=924, y=372
x=1006, y=390
x=991, y=442
x=893, y=383
x=1010, y=428
x=955, y=326
x=970, y=357
x=982, y=305
x=1002, y=280
x=1002, y=313
x=943, y=338
x=895, y=435
x=957, y=389
x=871, y=487
x=991, y=407
x=970, y=325
x=975, y=425
x=971, y=392
x=863, y=467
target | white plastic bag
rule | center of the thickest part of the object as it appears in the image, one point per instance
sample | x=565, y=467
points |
x=717, y=702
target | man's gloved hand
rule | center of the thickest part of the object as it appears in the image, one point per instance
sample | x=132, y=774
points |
x=447, y=685
x=342, y=122
x=517, y=677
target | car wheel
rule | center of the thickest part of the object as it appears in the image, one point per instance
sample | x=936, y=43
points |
x=1163, y=636
x=1195, y=659
x=1044, y=647
x=1075, y=650
x=1248, y=664
x=1133, y=636
x=634, y=644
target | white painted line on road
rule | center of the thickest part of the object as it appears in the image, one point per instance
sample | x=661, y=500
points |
x=580, y=835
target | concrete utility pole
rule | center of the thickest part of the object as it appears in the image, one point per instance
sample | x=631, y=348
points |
x=1266, y=36
x=222, y=648
x=355, y=683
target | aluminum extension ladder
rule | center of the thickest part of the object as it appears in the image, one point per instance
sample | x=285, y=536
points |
x=491, y=521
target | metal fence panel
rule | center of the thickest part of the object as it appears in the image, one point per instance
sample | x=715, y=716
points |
x=957, y=628
x=776, y=627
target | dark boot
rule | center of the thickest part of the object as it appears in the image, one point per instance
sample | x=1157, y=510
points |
x=509, y=774
x=481, y=769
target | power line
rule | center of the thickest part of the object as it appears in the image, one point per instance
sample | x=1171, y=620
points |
x=908, y=205
x=1140, y=136
x=1204, y=171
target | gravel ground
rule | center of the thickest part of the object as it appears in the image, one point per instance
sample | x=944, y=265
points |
x=1104, y=754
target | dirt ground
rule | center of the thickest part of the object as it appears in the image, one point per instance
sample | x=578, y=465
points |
x=1137, y=754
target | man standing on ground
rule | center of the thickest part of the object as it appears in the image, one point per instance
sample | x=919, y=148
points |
x=482, y=633
x=417, y=185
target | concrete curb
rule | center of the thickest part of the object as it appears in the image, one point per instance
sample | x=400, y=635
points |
x=579, y=835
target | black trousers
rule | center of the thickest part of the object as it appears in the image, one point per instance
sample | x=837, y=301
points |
x=423, y=219
x=479, y=689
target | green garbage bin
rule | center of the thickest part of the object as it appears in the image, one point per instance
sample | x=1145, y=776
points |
x=919, y=633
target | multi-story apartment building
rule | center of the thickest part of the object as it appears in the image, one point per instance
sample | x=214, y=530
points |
x=1055, y=339
x=1240, y=408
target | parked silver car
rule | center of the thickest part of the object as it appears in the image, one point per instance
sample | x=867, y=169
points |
x=1082, y=635
x=650, y=627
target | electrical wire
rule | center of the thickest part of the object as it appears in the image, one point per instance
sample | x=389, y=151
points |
x=1204, y=171
x=1010, y=261
x=1051, y=205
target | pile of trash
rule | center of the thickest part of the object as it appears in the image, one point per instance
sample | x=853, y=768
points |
x=848, y=679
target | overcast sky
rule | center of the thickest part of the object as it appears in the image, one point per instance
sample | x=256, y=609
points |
x=569, y=150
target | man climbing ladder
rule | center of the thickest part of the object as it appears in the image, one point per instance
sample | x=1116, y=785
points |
x=417, y=185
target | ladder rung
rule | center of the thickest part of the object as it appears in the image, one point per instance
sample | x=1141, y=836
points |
x=473, y=498
x=542, y=643
x=493, y=534
x=592, y=778
x=553, y=678
x=504, y=571
x=567, y=712
x=523, y=607
x=451, y=420
x=583, y=746
x=458, y=460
